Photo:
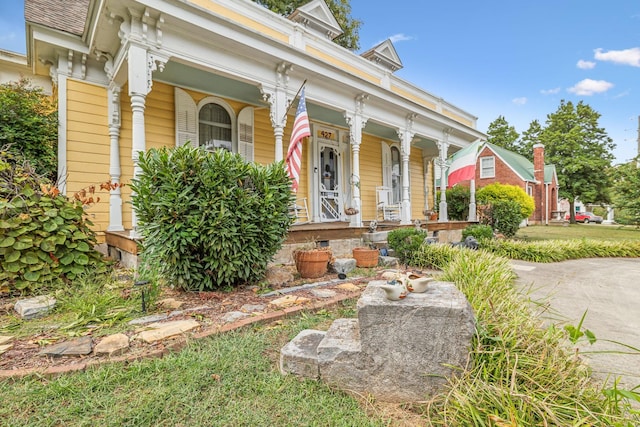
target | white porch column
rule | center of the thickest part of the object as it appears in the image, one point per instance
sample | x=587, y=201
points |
x=141, y=66
x=356, y=122
x=406, y=136
x=115, y=196
x=276, y=96
x=443, y=148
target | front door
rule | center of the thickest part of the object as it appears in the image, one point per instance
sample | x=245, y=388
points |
x=330, y=177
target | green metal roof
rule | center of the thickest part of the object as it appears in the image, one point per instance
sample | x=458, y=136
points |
x=520, y=164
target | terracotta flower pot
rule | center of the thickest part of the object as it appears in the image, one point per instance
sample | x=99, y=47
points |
x=366, y=257
x=312, y=263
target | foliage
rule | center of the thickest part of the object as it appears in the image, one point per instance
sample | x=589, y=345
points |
x=458, y=199
x=479, y=231
x=405, y=242
x=341, y=10
x=209, y=220
x=503, y=216
x=46, y=241
x=495, y=192
x=562, y=250
x=626, y=188
x=529, y=138
x=581, y=152
x=503, y=135
x=521, y=374
x=29, y=125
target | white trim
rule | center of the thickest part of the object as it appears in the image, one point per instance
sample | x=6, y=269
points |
x=483, y=175
x=62, y=133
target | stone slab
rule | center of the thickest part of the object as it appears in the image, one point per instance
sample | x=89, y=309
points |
x=112, y=345
x=299, y=356
x=149, y=319
x=5, y=339
x=324, y=293
x=32, y=308
x=5, y=347
x=232, y=316
x=343, y=265
x=289, y=301
x=78, y=347
x=160, y=331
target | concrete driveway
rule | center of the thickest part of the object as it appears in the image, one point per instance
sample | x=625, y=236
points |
x=608, y=289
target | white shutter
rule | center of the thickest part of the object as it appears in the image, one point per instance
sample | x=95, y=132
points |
x=186, y=118
x=386, y=164
x=245, y=134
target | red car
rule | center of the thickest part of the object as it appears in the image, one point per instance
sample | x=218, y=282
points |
x=587, y=217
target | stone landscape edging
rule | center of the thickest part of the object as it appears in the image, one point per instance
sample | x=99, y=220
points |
x=54, y=371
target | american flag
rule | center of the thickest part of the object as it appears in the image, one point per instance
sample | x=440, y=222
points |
x=300, y=130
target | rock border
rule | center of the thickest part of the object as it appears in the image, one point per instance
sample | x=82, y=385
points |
x=176, y=345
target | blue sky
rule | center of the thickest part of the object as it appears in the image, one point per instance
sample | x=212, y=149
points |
x=498, y=57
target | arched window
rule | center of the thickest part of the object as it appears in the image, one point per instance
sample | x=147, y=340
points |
x=214, y=127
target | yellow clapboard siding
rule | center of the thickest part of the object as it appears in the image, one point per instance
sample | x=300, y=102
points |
x=88, y=128
x=77, y=159
x=416, y=182
x=370, y=174
x=88, y=143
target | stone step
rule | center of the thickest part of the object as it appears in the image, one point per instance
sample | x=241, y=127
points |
x=300, y=356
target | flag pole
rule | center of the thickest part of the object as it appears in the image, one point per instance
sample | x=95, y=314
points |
x=294, y=98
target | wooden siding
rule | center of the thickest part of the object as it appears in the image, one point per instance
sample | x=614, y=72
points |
x=416, y=182
x=370, y=174
x=88, y=147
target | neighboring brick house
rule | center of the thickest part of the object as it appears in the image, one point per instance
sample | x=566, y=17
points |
x=497, y=164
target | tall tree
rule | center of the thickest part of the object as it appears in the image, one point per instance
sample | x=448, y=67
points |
x=529, y=138
x=581, y=152
x=341, y=11
x=502, y=134
x=626, y=189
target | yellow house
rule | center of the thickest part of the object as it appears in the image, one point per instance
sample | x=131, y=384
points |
x=131, y=75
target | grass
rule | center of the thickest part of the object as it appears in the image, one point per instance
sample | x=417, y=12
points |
x=579, y=231
x=227, y=380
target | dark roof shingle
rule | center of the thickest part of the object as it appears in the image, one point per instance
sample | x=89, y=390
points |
x=64, y=15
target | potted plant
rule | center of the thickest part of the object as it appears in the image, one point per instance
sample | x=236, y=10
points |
x=366, y=256
x=313, y=262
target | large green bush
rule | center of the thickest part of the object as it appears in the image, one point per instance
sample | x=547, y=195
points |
x=501, y=192
x=209, y=220
x=405, y=242
x=504, y=216
x=45, y=241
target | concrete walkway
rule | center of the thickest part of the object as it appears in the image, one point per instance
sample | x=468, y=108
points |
x=608, y=289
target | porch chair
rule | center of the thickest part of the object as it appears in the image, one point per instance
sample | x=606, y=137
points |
x=390, y=211
x=300, y=211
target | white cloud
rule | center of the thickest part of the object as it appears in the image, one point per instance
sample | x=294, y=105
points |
x=624, y=57
x=585, y=65
x=550, y=91
x=519, y=101
x=588, y=87
x=400, y=37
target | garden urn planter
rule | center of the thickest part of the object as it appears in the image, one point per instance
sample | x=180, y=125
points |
x=312, y=263
x=366, y=257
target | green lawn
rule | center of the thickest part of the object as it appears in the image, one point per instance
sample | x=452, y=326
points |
x=579, y=231
x=227, y=380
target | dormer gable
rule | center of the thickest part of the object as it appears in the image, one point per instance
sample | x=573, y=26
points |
x=317, y=17
x=384, y=54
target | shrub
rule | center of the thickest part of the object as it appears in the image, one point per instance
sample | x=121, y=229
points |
x=209, y=220
x=503, y=216
x=503, y=192
x=29, y=125
x=406, y=242
x=458, y=199
x=46, y=241
x=479, y=231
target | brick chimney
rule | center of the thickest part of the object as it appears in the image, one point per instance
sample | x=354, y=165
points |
x=538, y=174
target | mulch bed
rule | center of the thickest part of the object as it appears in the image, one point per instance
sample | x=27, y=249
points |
x=211, y=307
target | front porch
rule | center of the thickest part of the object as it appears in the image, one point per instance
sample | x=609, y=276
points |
x=339, y=235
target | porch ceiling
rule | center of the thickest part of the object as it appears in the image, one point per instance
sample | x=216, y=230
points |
x=182, y=75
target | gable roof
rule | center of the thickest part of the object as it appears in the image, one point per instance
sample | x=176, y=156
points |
x=63, y=15
x=520, y=164
x=317, y=16
x=384, y=54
